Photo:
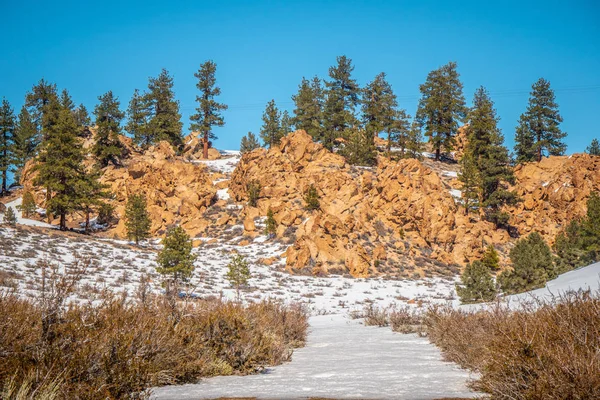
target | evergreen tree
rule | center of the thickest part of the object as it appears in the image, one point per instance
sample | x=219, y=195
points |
x=165, y=123
x=249, y=143
x=253, y=188
x=82, y=118
x=379, y=110
x=287, y=124
x=400, y=134
x=311, y=198
x=477, y=284
x=10, y=218
x=471, y=180
x=176, y=258
x=208, y=113
x=532, y=263
x=490, y=157
x=25, y=142
x=360, y=147
x=44, y=106
x=442, y=107
x=342, y=97
x=91, y=193
x=108, y=147
x=66, y=102
x=539, y=133
x=591, y=228
x=412, y=144
x=60, y=166
x=594, y=148
x=7, y=134
x=137, y=218
x=28, y=206
x=138, y=120
x=491, y=259
x=270, y=132
x=105, y=214
x=308, y=114
x=238, y=273
x=270, y=224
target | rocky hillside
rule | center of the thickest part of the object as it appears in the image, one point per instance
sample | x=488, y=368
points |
x=400, y=218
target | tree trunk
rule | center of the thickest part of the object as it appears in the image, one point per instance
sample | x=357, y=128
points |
x=389, y=145
x=205, y=150
x=87, y=220
x=63, y=221
x=437, y=154
x=539, y=155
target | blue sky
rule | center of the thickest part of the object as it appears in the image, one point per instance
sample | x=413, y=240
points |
x=264, y=48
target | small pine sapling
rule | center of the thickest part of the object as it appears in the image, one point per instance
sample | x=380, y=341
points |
x=270, y=224
x=311, y=198
x=253, y=189
x=238, y=273
x=10, y=217
x=28, y=206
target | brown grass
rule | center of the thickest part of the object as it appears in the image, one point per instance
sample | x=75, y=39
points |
x=545, y=350
x=121, y=346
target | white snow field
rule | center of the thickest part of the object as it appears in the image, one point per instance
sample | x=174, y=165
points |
x=343, y=360
x=16, y=204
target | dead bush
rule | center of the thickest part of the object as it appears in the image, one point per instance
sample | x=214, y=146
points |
x=543, y=350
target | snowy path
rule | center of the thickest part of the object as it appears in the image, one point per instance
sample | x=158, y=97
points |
x=15, y=204
x=343, y=360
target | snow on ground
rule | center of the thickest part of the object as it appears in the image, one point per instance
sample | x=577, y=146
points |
x=455, y=193
x=224, y=165
x=118, y=266
x=16, y=205
x=452, y=174
x=343, y=359
x=223, y=194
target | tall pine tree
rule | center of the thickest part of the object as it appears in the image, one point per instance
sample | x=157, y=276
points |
x=7, y=133
x=60, y=167
x=308, y=114
x=539, y=133
x=108, y=147
x=25, y=142
x=471, y=180
x=138, y=118
x=43, y=104
x=594, y=148
x=287, y=125
x=379, y=109
x=442, y=107
x=492, y=163
x=359, y=149
x=342, y=97
x=165, y=123
x=208, y=112
x=270, y=132
x=82, y=118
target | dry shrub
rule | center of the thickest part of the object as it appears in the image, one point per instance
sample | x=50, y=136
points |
x=406, y=319
x=121, y=346
x=544, y=350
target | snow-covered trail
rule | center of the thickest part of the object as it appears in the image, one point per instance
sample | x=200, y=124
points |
x=343, y=360
x=15, y=204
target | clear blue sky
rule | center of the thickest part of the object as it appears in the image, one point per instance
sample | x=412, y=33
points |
x=264, y=48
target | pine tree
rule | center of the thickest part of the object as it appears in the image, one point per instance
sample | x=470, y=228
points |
x=308, y=114
x=138, y=120
x=532, y=264
x=401, y=135
x=83, y=121
x=311, y=198
x=360, y=147
x=287, y=124
x=594, y=148
x=591, y=228
x=270, y=224
x=379, y=110
x=10, y=218
x=28, y=206
x=60, y=166
x=342, y=97
x=91, y=193
x=165, y=123
x=249, y=143
x=25, y=142
x=471, y=180
x=108, y=147
x=44, y=106
x=539, y=133
x=253, y=188
x=137, y=218
x=412, y=146
x=490, y=157
x=7, y=134
x=176, y=258
x=238, y=273
x=569, y=247
x=491, y=259
x=442, y=107
x=105, y=214
x=477, y=284
x=208, y=112
x=270, y=132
